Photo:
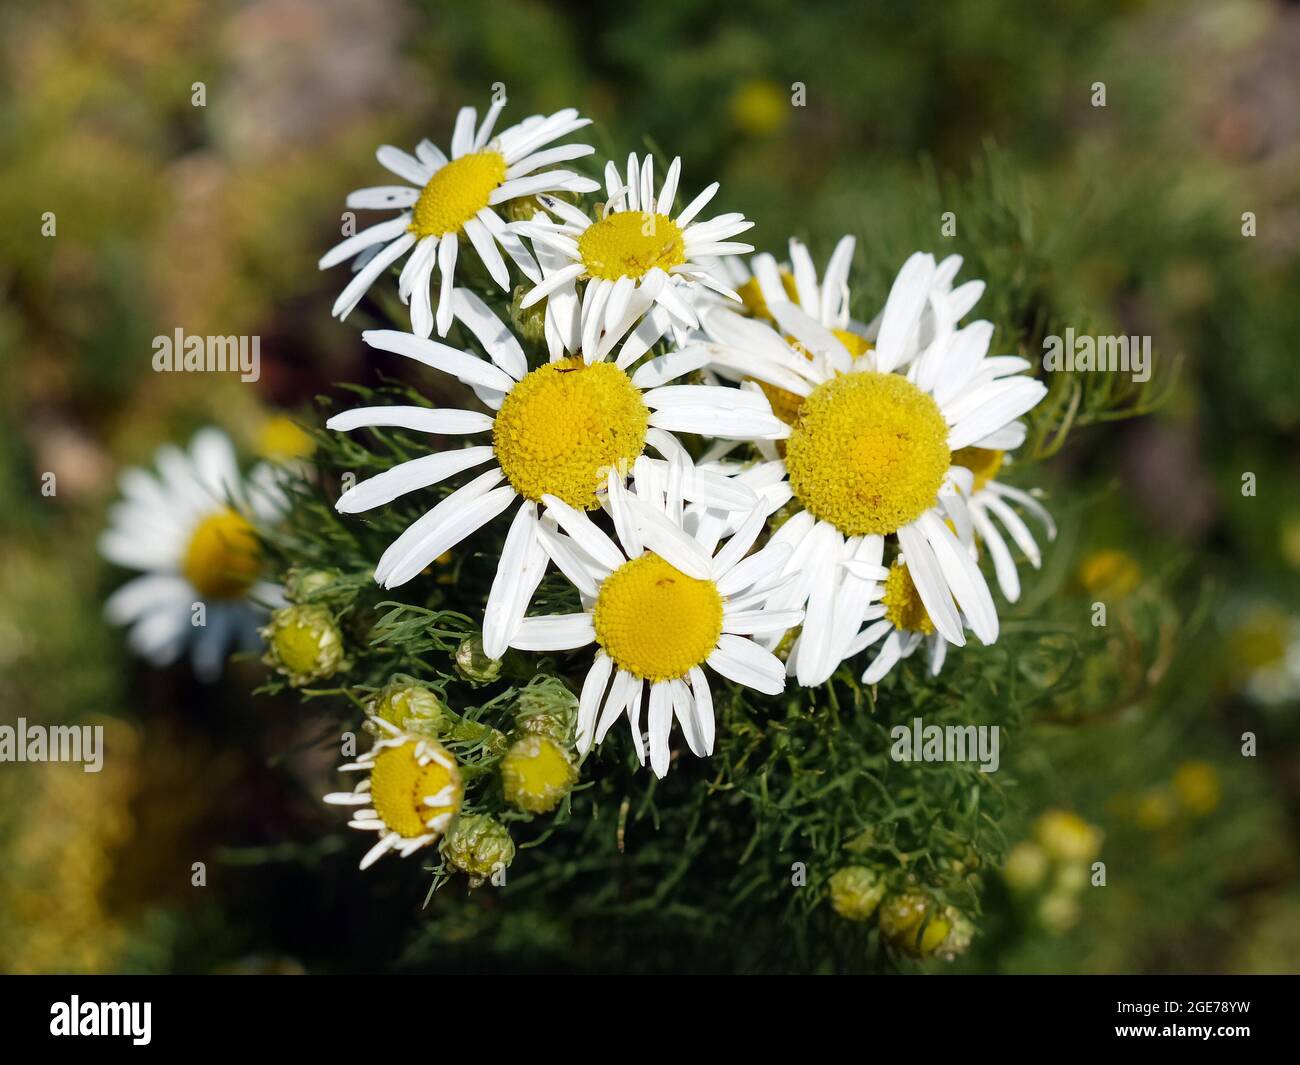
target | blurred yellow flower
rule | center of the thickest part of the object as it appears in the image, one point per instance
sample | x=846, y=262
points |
x=1067, y=837
x=759, y=107
x=1110, y=572
x=1197, y=786
x=1155, y=809
x=281, y=439
x=1026, y=866
x=1261, y=640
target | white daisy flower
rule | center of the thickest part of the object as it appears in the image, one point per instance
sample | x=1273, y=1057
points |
x=989, y=499
x=555, y=430
x=660, y=602
x=901, y=618
x=765, y=283
x=445, y=199
x=868, y=454
x=188, y=529
x=411, y=792
x=636, y=262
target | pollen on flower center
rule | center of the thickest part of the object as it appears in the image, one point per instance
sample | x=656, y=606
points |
x=456, y=193
x=983, y=462
x=656, y=622
x=415, y=788
x=903, y=606
x=223, y=556
x=631, y=244
x=564, y=425
x=786, y=405
x=868, y=453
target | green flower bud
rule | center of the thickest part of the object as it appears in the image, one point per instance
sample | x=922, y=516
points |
x=903, y=924
x=856, y=891
x=304, y=644
x=478, y=845
x=961, y=932
x=529, y=322
x=536, y=774
x=301, y=584
x=475, y=666
x=409, y=705
x=547, y=708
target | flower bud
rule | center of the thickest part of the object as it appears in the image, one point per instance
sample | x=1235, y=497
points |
x=536, y=774
x=478, y=845
x=529, y=322
x=301, y=584
x=304, y=644
x=904, y=926
x=961, y=932
x=547, y=708
x=409, y=705
x=856, y=891
x=474, y=665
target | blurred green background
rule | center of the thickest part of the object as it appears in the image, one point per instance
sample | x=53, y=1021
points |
x=1125, y=218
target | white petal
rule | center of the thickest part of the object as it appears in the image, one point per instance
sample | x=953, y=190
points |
x=381, y=233
x=930, y=584
x=495, y=336
x=460, y=364
x=462, y=513
x=593, y=690
x=584, y=532
x=410, y=476
x=670, y=542
x=557, y=632
x=744, y=662
x=442, y=420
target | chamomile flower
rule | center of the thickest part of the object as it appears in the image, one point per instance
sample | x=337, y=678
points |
x=900, y=619
x=660, y=602
x=765, y=283
x=989, y=499
x=189, y=529
x=411, y=792
x=636, y=262
x=868, y=454
x=555, y=432
x=445, y=199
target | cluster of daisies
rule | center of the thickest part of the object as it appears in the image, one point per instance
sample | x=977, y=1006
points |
x=736, y=476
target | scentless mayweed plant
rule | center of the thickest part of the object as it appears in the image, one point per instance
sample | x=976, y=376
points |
x=619, y=601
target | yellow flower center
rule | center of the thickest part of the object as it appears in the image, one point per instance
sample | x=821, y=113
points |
x=456, y=193
x=656, y=622
x=868, y=453
x=903, y=606
x=399, y=786
x=786, y=405
x=631, y=244
x=983, y=462
x=223, y=556
x=564, y=425
x=536, y=774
